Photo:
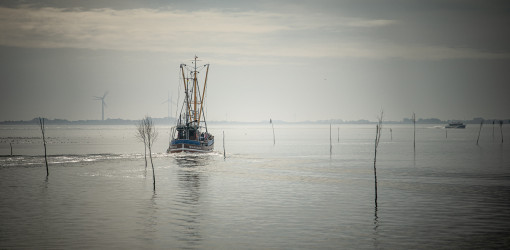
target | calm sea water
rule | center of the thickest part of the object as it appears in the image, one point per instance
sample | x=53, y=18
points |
x=450, y=194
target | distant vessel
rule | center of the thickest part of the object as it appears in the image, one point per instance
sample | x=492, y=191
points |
x=455, y=125
x=189, y=135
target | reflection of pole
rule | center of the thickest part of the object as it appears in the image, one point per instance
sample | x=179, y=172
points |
x=376, y=221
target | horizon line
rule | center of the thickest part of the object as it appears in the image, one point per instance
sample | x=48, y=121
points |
x=323, y=121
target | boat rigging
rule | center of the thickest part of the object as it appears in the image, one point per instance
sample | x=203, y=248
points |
x=190, y=133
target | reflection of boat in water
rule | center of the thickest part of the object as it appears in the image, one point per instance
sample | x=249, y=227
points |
x=189, y=135
x=192, y=160
x=455, y=125
x=187, y=225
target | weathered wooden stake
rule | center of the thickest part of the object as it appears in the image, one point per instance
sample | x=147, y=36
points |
x=493, y=121
x=339, y=134
x=414, y=138
x=330, y=143
x=479, y=131
x=224, y=152
x=272, y=125
x=375, y=160
x=501, y=128
x=41, y=123
x=377, y=138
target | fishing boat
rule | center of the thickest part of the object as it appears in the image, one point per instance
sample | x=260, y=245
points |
x=455, y=125
x=190, y=134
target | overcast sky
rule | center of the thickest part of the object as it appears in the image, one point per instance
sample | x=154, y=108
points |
x=288, y=60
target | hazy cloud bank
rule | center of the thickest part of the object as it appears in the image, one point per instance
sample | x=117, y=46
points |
x=232, y=33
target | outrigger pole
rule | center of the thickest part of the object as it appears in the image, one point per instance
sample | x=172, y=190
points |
x=196, y=98
x=195, y=92
x=203, y=95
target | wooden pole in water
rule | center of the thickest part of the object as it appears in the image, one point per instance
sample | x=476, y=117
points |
x=446, y=132
x=224, y=154
x=479, y=131
x=391, y=134
x=10, y=143
x=414, y=140
x=375, y=160
x=41, y=123
x=330, y=144
x=339, y=134
x=493, y=121
x=272, y=125
x=501, y=128
x=377, y=138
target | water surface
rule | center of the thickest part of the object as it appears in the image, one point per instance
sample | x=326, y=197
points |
x=451, y=193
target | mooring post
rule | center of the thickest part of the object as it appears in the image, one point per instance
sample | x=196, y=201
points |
x=224, y=153
x=479, y=131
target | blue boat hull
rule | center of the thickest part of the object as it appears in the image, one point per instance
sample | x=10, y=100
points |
x=179, y=146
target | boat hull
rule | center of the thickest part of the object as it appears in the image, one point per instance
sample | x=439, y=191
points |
x=179, y=146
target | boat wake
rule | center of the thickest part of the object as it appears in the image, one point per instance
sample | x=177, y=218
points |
x=66, y=159
x=28, y=161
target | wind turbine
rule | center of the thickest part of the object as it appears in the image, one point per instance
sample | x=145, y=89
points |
x=103, y=103
x=170, y=102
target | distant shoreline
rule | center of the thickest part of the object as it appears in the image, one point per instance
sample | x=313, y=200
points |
x=171, y=120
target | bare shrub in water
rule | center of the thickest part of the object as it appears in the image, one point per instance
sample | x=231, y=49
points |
x=147, y=133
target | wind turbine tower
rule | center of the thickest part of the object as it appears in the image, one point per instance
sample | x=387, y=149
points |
x=170, y=104
x=103, y=104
